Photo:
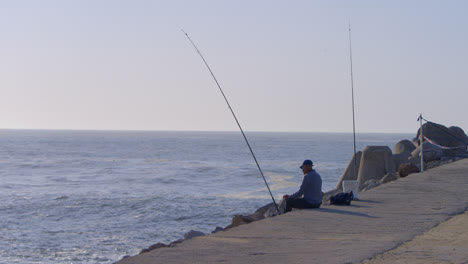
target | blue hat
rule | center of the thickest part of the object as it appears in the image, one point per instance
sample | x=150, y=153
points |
x=307, y=162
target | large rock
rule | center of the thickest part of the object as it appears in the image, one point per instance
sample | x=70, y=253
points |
x=376, y=162
x=407, y=169
x=403, y=146
x=454, y=152
x=153, y=247
x=441, y=135
x=401, y=158
x=459, y=138
x=416, y=161
x=192, y=233
x=458, y=144
x=262, y=210
x=238, y=220
x=431, y=152
x=350, y=173
x=217, y=229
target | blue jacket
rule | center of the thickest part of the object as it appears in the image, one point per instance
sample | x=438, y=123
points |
x=311, y=188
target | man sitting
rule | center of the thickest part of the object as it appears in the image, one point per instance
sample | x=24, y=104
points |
x=310, y=192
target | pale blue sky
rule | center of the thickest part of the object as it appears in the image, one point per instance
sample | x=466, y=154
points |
x=284, y=65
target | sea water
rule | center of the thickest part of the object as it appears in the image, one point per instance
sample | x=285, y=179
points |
x=96, y=196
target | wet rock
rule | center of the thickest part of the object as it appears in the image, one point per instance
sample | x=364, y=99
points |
x=217, y=229
x=174, y=243
x=404, y=146
x=262, y=210
x=407, y=169
x=153, y=247
x=238, y=220
x=268, y=210
x=192, y=233
x=257, y=215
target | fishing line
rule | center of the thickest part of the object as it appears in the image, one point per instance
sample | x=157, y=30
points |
x=234, y=115
x=352, y=99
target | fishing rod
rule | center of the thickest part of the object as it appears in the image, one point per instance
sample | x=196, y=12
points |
x=234, y=115
x=352, y=98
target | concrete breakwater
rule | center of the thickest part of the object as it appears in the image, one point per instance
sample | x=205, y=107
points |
x=377, y=165
x=383, y=218
x=376, y=223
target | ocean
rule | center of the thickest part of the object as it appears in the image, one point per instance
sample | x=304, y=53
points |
x=96, y=196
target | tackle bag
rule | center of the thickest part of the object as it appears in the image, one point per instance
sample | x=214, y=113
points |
x=342, y=198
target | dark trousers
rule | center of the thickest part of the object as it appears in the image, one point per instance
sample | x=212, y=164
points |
x=299, y=203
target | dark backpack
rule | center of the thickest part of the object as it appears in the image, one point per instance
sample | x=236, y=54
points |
x=342, y=198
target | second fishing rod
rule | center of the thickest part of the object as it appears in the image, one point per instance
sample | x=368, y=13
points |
x=234, y=115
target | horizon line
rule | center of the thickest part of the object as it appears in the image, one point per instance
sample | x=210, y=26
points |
x=180, y=130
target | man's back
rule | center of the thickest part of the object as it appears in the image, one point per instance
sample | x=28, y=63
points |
x=311, y=188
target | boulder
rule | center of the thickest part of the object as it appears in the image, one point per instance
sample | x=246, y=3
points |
x=406, y=169
x=401, y=158
x=349, y=174
x=152, y=247
x=217, y=229
x=459, y=138
x=264, y=211
x=403, y=146
x=376, y=162
x=267, y=210
x=454, y=152
x=437, y=163
x=192, y=233
x=441, y=135
x=416, y=161
x=431, y=152
x=238, y=220
x=272, y=211
x=174, y=243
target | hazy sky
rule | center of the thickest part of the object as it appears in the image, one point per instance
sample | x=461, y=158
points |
x=284, y=65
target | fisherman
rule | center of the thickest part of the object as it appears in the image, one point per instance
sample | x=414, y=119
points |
x=310, y=192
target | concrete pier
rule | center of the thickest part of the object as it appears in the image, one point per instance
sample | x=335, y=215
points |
x=386, y=218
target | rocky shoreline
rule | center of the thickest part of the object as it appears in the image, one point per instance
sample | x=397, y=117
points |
x=376, y=165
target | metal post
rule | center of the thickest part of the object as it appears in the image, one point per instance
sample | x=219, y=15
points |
x=421, y=142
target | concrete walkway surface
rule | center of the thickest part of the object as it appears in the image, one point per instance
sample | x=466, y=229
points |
x=385, y=218
x=444, y=244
